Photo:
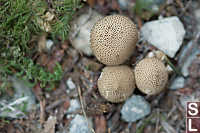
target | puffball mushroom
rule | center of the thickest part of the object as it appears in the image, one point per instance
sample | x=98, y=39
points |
x=113, y=39
x=151, y=76
x=116, y=83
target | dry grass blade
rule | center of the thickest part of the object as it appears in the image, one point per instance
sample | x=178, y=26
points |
x=176, y=70
x=42, y=111
x=167, y=127
x=83, y=110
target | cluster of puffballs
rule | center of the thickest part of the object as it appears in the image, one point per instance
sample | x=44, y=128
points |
x=113, y=40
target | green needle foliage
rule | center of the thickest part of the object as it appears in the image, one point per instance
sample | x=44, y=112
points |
x=19, y=21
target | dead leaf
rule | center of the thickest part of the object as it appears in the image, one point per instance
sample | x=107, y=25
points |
x=91, y=2
x=48, y=16
x=184, y=91
x=65, y=45
x=51, y=64
x=100, y=123
x=66, y=104
x=42, y=42
x=43, y=59
x=58, y=54
x=44, y=25
x=101, y=2
x=91, y=65
x=115, y=5
x=37, y=91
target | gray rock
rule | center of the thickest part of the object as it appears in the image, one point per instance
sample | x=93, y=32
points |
x=123, y=4
x=49, y=44
x=197, y=16
x=79, y=125
x=74, y=105
x=178, y=83
x=135, y=108
x=70, y=84
x=22, y=101
x=188, y=62
x=79, y=34
x=166, y=34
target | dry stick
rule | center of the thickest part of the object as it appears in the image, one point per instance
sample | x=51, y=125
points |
x=81, y=101
x=54, y=104
x=157, y=121
x=42, y=111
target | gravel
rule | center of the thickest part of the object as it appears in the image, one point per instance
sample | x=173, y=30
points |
x=79, y=125
x=135, y=108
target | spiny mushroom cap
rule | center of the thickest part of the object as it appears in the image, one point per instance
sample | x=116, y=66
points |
x=113, y=39
x=116, y=83
x=151, y=76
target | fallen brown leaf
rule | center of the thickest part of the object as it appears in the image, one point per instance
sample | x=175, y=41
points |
x=38, y=91
x=42, y=42
x=100, y=123
x=91, y=2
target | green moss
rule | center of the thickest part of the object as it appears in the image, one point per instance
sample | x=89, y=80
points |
x=19, y=21
x=147, y=8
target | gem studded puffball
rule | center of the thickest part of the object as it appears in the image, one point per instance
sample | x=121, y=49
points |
x=113, y=39
x=116, y=83
x=151, y=76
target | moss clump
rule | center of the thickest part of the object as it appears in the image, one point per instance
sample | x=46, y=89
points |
x=19, y=21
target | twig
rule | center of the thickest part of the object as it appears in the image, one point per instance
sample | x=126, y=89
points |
x=16, y=102
x=171, y=111
x=157, y=121
x=145, y=123
x=15, y=112
x=177, y=71
x=167, y=127
x=42, y=111
x=186, y=7
x=54, y=104
x=82, y=106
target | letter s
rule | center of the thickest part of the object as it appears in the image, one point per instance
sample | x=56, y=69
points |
x=194, y=108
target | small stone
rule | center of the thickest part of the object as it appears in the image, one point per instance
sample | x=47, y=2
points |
x=188, y=62
x=178, y=83
x=79, y=34
x=70, y=84
x=135, y=108
x=123, y=4
x=79, y=125
x=166, y=34
x=74, y=105
x=49, y=44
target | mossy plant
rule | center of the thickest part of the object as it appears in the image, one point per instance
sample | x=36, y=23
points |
x=147, y=8
x=20, y=20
